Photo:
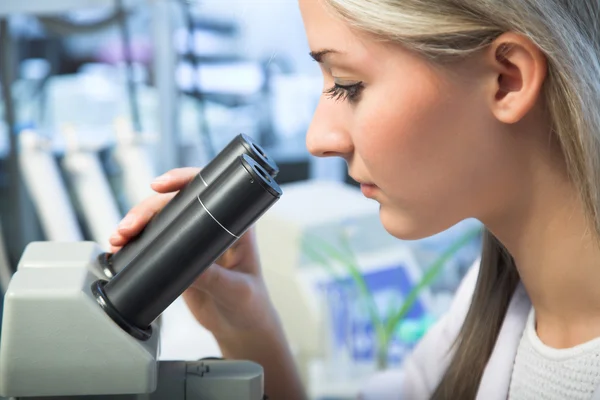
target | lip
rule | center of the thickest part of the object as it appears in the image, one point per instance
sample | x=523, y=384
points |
x=369, y=190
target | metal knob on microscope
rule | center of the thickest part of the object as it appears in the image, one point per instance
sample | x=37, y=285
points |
x=192, y=242
x=241, y=144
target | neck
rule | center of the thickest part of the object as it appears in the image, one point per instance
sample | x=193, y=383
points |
x=558, y=259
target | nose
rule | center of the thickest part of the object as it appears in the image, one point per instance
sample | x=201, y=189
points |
x=328, y=135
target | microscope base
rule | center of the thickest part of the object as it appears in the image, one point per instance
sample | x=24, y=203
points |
x=201, y=380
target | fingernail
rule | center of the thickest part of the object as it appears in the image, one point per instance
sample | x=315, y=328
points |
x=162, y=179
x=127, y=222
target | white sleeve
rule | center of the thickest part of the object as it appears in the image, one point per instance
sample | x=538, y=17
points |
x=423, y=369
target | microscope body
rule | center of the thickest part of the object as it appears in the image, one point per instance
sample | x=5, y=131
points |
x=57, y=342
x=80, y=323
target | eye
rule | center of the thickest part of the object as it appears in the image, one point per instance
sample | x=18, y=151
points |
x=345, y=92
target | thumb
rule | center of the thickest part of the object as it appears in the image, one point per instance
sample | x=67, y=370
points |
x=174, y=179
x=223, y=284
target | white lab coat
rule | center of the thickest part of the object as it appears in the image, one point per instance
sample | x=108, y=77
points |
x=424, y=368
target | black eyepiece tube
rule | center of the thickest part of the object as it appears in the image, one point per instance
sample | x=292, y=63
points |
x=192, y=242
x=241, y=144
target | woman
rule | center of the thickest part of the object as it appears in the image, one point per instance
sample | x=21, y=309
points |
x=446, y=110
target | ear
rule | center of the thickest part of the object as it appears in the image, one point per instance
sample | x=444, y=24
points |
x=519, y=71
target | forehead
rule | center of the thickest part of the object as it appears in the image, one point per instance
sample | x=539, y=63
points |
x=325, y=31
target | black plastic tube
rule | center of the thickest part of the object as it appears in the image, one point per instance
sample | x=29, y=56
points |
x=193, y=241
x=241, y=144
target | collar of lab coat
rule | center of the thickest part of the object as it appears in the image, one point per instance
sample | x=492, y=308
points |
x=495, y=381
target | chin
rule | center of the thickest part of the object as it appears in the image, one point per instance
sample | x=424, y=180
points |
x=404, y=226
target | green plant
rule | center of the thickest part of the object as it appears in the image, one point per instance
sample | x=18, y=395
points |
x=323, y=253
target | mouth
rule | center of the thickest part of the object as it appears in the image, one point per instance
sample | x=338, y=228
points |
x=360, y=181
x=367, y=188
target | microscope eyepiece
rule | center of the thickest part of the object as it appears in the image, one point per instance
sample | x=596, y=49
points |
x=259, y=154
x=241, y=145
x=192, y=242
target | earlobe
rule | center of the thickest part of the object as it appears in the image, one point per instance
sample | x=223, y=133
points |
x=520, y=71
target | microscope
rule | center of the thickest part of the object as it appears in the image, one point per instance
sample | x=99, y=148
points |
x=80, y=323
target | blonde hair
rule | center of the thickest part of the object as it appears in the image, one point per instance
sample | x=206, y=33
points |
x=568, y=33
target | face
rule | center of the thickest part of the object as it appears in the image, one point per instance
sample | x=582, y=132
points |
x=421, y=138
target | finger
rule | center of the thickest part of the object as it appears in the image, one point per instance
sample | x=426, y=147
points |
x=137, y=218
x=174, y=180
x=196, y=295
x=243, y=253
x=117, y=239
x=196, y=299
x=223, y=284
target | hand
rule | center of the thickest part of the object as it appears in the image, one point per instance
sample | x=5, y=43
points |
x=228, y=298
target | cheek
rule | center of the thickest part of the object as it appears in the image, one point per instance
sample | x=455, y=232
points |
x=430, y=153
x=403, y=131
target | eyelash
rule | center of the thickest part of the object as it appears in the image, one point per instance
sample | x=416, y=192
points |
x=350, y=92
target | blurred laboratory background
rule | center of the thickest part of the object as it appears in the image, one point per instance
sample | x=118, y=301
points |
x=101, y=96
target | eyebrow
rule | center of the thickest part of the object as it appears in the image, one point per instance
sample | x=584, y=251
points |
x=318, y=56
